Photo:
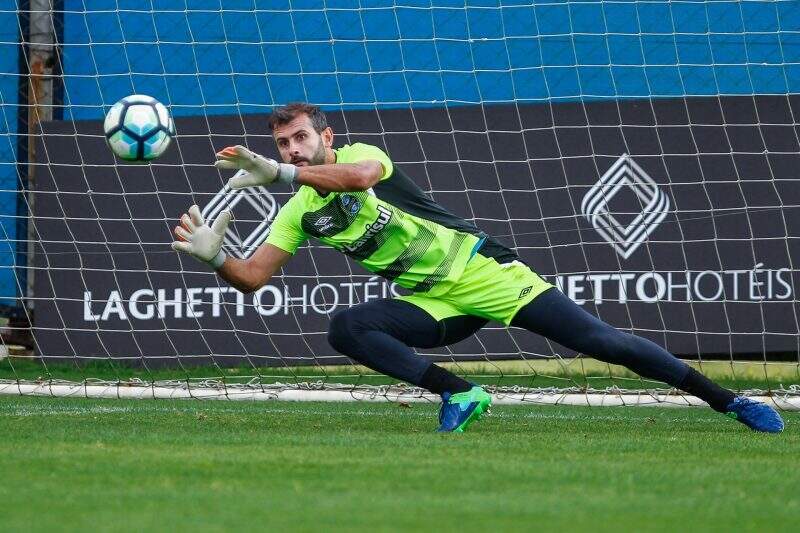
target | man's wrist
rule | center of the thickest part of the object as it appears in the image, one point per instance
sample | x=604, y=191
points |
x=218, y=260
x=286, y=173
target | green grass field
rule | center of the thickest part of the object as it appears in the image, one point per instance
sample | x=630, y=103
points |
x=71, y=464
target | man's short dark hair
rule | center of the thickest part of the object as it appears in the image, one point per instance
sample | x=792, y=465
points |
x=287, y=113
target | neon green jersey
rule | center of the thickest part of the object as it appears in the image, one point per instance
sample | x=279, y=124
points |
x=392, y=230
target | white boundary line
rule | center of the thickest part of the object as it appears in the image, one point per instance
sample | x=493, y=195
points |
x=377, y=394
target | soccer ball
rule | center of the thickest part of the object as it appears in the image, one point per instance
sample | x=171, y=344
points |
x=138, y=128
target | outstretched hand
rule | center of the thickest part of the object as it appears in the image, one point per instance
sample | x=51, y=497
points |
x=258, y=170
x=196, y=238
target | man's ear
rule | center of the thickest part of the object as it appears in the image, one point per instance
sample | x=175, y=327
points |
x=327, y=137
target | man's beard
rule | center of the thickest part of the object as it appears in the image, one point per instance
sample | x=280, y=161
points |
x=317, y=158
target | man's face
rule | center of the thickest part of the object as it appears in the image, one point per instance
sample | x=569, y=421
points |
x=299, y=144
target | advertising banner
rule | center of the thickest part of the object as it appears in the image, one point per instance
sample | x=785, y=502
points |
x=674, y=219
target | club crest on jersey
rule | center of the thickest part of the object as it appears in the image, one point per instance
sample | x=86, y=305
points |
x=350, y=203
x=384, y=216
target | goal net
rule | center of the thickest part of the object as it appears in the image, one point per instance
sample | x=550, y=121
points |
x=642, y=156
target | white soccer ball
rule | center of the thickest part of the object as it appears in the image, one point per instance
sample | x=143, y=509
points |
x=138, y=128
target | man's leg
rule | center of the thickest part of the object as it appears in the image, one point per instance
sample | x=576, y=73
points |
x=380, y=335
x=555, y=316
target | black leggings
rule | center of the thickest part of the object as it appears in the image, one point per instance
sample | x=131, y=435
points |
x=379, y=335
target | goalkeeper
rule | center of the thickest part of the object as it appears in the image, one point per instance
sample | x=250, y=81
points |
x=354, y=199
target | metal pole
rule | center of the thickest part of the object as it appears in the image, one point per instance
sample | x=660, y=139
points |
x=41, y=59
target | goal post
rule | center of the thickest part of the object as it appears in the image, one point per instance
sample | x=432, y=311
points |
x=641, y=156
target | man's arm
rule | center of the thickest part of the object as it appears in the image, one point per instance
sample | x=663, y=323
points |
x=337, y=177
x=248, y=275
x=341, y=177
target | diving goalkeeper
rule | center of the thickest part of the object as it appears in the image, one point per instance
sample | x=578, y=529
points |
x=354, y=199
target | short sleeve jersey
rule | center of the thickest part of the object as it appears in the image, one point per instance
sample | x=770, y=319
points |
x=415, y=252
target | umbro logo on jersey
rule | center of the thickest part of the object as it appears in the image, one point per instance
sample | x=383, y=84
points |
x=524, y=292
x=625, y=173
x=324, y=223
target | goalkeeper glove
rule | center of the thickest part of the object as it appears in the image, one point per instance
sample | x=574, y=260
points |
x=258, y=170
x=199, y=240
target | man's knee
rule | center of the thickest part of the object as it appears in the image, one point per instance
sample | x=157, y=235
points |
x=340, y=330
x=345, y=326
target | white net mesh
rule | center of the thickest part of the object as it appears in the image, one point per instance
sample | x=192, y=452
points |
x=639, y=155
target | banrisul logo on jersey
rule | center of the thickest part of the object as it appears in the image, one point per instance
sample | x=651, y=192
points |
x=384, y=216
x=653, y=206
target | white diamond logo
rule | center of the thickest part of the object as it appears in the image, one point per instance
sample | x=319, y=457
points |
x=625, y=173
x=260, y=200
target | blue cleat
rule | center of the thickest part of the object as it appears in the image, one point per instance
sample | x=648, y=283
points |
x=755, y=415
x=460, y=410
